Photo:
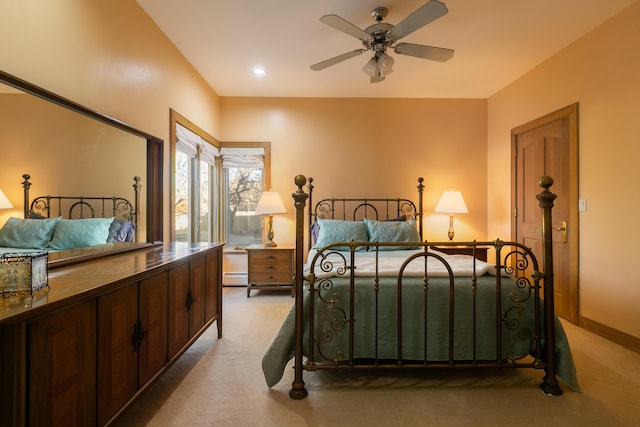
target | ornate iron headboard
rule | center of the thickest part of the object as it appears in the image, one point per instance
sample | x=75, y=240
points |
x=353, y=209
x=83, y=206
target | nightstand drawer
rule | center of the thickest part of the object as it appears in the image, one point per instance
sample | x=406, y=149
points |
x=284, y=277
x=480, y=252
x=269, y=257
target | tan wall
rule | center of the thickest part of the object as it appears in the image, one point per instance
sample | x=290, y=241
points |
x=108, y=56
x=601, y=71
x=375, y=147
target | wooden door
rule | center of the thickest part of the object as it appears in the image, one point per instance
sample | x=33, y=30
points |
x=117, y=359
x=549, y=146
x=153, y=318
x=62, y=368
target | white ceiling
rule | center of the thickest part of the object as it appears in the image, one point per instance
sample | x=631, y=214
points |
x=495, y=42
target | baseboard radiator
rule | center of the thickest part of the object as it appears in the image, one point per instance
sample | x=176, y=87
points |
x=235, y=279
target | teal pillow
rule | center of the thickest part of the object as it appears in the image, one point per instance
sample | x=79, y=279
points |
x=393, y=231
x=334, y=230
x=27, y=233
x=78, y=233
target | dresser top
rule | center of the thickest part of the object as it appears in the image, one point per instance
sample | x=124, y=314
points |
x=85, y=280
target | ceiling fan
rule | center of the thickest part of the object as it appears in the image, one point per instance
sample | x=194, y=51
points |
x=381, y=35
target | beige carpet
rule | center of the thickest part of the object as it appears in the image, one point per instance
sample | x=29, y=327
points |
x=220, y=383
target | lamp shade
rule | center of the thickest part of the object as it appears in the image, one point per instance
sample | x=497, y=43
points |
x=4, y=201
x=270, y=203
x=451, y=202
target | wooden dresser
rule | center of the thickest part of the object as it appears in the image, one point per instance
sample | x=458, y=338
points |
x=270, y=268
x=81, y=351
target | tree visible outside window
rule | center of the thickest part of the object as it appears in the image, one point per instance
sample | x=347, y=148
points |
x=246, y=175
x=244, y=188
x=182, y=191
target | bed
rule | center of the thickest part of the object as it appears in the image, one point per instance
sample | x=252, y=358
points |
x=373, y=295
x=57, y=223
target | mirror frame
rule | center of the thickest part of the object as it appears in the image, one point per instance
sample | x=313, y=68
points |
x=155, y=150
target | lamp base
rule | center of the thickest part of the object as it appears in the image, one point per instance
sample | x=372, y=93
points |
x=270, y=243
x=450, y=233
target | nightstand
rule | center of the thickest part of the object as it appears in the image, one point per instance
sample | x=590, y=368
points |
x=270, y=268
x=481, y=252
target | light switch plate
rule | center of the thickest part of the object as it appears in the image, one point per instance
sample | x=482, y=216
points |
x=582, y=205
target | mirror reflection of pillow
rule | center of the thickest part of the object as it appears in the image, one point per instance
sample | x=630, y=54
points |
x=27, y=233
x=121, y=231
x=35, y=215
x=78, y=233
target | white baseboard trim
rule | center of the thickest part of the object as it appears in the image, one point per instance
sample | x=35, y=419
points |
x=235, y=279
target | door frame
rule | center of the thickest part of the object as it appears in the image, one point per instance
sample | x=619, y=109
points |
x=569, y=112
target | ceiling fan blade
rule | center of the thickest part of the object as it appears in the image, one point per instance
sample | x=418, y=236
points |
x=439, y=54
x=336, y=59
x=428, y=12
x=345, y=26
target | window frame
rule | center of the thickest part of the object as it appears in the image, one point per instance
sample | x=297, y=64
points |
x=218, y=190
x=214, y=195
x=266, y=179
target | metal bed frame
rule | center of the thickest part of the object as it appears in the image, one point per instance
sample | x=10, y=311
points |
x=510, y=257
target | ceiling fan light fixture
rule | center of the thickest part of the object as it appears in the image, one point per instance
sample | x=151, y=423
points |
x=386, y=62
x=370, y=67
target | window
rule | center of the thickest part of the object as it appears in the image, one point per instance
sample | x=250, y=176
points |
x=245, y=171
x=183, y=170
x=216, y=186
x=195, y=186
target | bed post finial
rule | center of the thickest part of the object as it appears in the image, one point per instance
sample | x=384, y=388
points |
x=298, y=391
x=550, y=384
x=310, y=216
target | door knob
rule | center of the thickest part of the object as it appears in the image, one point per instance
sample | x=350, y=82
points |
x=563, y=228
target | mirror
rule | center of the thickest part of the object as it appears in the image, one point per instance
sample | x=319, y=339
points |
x=73, y=151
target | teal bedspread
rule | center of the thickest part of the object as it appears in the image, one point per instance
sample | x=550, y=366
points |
x=517, y=326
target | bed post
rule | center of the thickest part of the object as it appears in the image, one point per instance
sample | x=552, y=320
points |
x=300, y=197
x=310, y=216
x=26, y=184
x=420, y=218
x=546, y=198
x=136, y=204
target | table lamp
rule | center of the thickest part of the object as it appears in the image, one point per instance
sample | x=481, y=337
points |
x=4, y=201
x=452, y=203
x=270, y=203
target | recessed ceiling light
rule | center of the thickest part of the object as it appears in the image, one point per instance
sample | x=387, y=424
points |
x=259, y=72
